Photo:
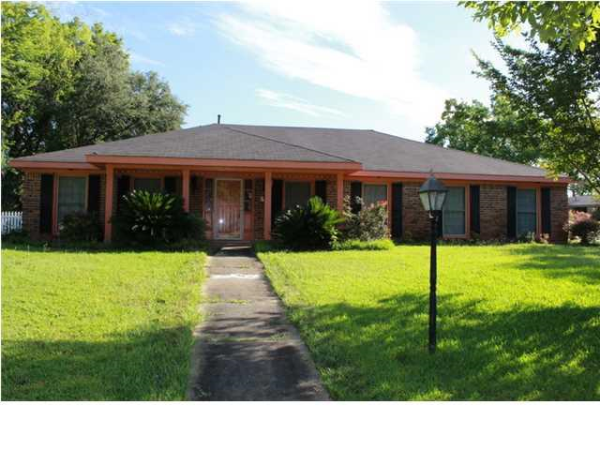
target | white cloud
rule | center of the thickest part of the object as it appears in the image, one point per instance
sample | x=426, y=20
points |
x=182, y=28
x=356, y=49
x=287, y=101
x=141, y=59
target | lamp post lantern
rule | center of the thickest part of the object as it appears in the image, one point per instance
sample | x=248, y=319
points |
x=433, y=195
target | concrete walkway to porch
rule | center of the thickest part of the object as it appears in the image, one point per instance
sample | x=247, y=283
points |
x=245, y=348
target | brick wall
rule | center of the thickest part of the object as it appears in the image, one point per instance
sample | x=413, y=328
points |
x=331, y=190
x=415, y=219
x=559, y=214
x=493, y=214
x=196, y=195
x=31, y=204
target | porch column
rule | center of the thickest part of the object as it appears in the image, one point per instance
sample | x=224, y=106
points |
x=268, y=191
x=108, y=202
x=340, y=192
x=185, y=189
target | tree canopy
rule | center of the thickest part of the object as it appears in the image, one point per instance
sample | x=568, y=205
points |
x=545, y=109
x=66, y=84
x=575, y=23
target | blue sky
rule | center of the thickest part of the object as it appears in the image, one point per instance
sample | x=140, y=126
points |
x=383, y=66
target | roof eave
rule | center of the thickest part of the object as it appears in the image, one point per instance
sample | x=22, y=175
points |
x=459, y=176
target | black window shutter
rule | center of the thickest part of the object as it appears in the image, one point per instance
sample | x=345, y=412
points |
x=171, y=185
x=511, y=211
x=46, y=202
x=94, y=193
x=475, y=219
x=321, y=190
x=123, y=184
x=355, y=191
x=248, y=190
x=396, y=210
x=546, y=211
x=440, y=225
x=276, y=199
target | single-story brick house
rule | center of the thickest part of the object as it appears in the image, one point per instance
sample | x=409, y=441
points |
x=239, y=177
x=584, y=203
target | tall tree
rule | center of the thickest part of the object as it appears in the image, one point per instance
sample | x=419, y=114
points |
x=66, y=85
x=545, y=110
x=560, y=89
x=497, y=131
x=576, y=23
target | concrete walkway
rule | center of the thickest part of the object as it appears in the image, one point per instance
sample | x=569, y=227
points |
x=245, y=348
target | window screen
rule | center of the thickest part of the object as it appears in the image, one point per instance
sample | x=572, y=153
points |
x=147, y=184
x=296, y=193
x=71, y=196
x=526, y=211
x=454, y=212
x=373, y=194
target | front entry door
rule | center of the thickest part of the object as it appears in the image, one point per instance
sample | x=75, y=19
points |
x=228, y=220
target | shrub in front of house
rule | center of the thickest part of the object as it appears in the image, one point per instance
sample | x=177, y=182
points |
x=81, y=227
x=355, y=244
x=154, y=219
x=310, y=227
x=585, y=227
x=368, y=224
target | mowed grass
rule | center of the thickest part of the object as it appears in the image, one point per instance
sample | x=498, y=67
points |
x=515, y=322
x=98, y=326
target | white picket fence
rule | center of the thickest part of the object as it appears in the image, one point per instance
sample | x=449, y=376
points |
x=12, y=221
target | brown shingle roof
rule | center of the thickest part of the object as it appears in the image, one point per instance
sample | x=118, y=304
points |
x=374, y=150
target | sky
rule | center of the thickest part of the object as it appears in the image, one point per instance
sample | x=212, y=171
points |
x=382, y=66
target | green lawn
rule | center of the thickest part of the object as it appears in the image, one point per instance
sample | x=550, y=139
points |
x=515, y=321
x=98, y=326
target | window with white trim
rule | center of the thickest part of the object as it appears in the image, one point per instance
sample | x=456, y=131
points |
x=373, y=194
x=71, y=196
x=297, y=193
x=147, y=184
x=526, y=211
x=453, y=219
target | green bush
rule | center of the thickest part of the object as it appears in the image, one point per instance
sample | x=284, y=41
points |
x=81, y=227
x=310, y=227
x=369, y=224
x=150, y=219
x=354, y=244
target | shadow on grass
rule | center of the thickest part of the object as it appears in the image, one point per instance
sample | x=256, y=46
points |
x=40, y=247
x=379, y=353
x=561, y=261
x=145, y=365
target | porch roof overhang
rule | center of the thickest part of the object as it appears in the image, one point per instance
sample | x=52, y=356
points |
x=351, y=169
x=96, y=162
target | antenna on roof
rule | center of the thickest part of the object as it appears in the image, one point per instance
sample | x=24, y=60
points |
x=218, y=118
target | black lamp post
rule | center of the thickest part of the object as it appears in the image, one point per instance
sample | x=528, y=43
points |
x=433, y=195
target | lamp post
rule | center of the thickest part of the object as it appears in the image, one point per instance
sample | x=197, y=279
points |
x=433, y=195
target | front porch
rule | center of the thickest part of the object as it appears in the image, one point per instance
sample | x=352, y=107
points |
x=237, y=205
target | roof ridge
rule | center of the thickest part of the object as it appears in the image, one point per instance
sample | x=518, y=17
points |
x=290, y=144
x=457, y=150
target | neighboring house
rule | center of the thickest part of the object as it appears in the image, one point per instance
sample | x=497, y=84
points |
x=584, y=203
x=240, y=177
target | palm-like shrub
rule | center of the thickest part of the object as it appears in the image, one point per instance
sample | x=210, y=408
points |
x=150, y=218
x=309, y=227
